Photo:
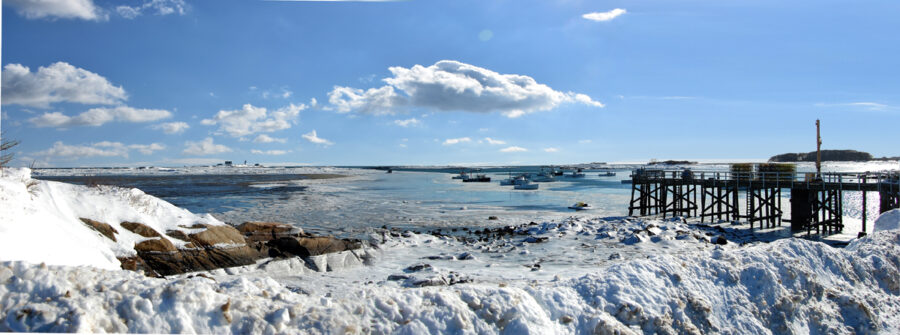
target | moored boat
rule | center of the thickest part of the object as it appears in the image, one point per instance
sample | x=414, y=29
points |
x=580, y=206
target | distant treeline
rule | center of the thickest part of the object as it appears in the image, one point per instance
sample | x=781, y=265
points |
x=828, y=155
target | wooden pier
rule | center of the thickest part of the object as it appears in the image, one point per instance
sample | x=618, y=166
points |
x=816, y=202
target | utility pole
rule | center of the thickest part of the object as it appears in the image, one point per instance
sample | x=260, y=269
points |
x=818, y=152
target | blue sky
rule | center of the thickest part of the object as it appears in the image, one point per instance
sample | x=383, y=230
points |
x=180, y=82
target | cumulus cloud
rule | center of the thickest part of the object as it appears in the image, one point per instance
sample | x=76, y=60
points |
x=493, y=141
x=269, y=152
x=604, y=16
x=378, y=101
x=158, y=7
x=408, y=122
x=172, y=127
x=513, y=149
x=263, y=138
x=99, y=116
x=205, y=147
x=250, y=120
x=65, y=9
x=58, y=82
x=454, y=86
x=551, y=149
x=312, y=137
x=99, y=149
x=452, y=141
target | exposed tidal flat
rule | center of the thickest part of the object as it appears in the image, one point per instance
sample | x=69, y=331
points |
x=435, y=263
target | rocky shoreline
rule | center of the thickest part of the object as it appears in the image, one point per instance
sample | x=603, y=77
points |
x=212, y=247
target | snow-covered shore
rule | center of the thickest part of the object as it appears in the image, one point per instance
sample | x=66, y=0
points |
x=579, y=275
x=787, y=286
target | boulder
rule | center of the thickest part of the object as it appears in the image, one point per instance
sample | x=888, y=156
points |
x=157, y=245
x=309, y=246
x=140, y=229
x=102, y=228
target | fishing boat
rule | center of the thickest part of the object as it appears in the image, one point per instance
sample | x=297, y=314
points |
x=580, y=206
x=462, y=175
x=607, y=173
x=478, y=178
x=576, y=174
x=525, y=185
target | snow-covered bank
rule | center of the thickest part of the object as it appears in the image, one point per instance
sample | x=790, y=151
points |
x=40, y=221
x=790, y=285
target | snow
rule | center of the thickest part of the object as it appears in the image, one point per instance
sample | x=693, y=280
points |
x=791, y=285
x=38, y=219
x=889, y=220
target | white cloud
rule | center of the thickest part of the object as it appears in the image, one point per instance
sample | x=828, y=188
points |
x=147, y=149
x=584, y=141
x=604, y=16
x=452, y=141
x=513, y=149
x=269, y=152
x=158, y=7
x=408, y=122
x=378, y=101
x=172, y=127
x=205, y=147
x=454, y=86
x=551, y=149
x=99, y=149
x=250, y=120
x=99, y=116
x=58, y=82
x=493, y=141
x=314, y=138
x=66, y=9
x=263, y=138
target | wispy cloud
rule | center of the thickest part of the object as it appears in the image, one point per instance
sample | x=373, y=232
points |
x=408, y=122
x=99, y=149
x=452, y=141
x=604, y=16
x=551, y=149
x=493, y=141
x=205, y=147
x=513, y=149
x=263, y=138
x=312, y=137
x=270, y=152
x=99, y=116
x=172, y=127
x=867, y=105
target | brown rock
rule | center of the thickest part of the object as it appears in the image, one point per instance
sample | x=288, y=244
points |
x=158, y=245
x=217, y=235
x=140, y=229
x=177, y=234
x=266, y=231
x=310, y=246
x=102, y=228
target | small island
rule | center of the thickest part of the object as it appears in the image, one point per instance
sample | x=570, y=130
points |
x=827, y=155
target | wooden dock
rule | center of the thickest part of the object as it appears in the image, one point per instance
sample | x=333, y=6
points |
x=816, y=202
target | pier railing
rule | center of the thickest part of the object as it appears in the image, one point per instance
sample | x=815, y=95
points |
x=872, y=181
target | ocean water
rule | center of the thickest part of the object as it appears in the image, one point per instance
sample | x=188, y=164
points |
x=415, y=198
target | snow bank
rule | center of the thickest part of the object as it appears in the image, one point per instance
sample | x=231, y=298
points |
x=889, y=220
x=791, y=285
x=39, y=221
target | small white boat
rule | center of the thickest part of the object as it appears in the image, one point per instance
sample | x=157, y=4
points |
x=525, y=185
x=580, y=206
